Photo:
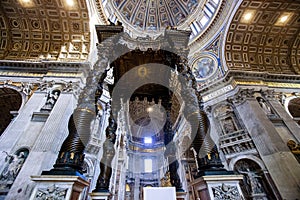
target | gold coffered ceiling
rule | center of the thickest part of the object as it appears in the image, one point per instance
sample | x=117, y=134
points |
x=44, y=30
x=264, y=36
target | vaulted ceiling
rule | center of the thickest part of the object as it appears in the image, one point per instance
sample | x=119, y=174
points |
x=264, y=36
x=155, y=14
x=44, y=30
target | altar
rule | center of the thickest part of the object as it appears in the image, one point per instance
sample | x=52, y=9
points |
x=159, y=193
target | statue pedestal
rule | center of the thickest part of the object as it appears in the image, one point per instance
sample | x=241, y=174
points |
x=58, y=187
x=212, y=187
x=100, y=195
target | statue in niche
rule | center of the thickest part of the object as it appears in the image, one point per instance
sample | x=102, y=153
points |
x=51, y=100
x=266, y=108
x=229, y=126
x=253, y=181
x=14, y=163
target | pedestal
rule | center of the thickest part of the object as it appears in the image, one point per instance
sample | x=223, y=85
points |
x=100, y=195
x=58, y=187
x=217, y=187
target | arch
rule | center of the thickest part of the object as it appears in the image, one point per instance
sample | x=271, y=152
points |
x=18, y=89
x=89, y=167
x=10, y=100
x=287, y=101
x=293, y=107
x=249, y=157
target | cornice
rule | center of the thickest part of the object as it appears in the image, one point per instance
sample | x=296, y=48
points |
x=234, y=79
x=43, y=67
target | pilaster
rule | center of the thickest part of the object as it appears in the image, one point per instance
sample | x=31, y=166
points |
x=45, y=147
x=272, y=149
x=286, y=118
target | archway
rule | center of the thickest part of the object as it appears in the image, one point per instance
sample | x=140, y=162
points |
x=10, y=100
x=294, y=109
x=255, y=183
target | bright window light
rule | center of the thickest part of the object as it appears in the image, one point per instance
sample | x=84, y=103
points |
x=148, y=140
x=283, y=18
x=247, y=16
x=70, y=2
x=148, y=165
x=204, y=20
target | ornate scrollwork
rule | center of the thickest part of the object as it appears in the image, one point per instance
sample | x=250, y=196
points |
x=225, y=191
x=51, y=192
x=242, y=95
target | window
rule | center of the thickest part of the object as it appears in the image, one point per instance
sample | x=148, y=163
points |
x=148, y=165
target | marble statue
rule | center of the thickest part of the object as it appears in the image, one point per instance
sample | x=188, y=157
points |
x=51, y=100
x=14, y=164
x=264, y=106
x=253, y=181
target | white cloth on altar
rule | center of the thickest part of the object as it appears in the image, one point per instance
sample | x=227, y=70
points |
x=159, y=193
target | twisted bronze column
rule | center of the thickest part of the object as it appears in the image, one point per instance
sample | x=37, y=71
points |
x=170, y=153
x=71, y=154
x=208, y=156
x=108, y=155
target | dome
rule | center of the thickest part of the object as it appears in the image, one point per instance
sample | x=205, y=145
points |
x=151, y=17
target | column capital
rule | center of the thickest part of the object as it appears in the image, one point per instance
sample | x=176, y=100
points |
x=241, y=96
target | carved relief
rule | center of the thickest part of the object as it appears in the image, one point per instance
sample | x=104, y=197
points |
x=226, y=192
x=228, y=125
x=242, y=95
x=51, y=192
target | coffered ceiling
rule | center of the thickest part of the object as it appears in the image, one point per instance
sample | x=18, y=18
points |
x=264, y=36
x=44, y=30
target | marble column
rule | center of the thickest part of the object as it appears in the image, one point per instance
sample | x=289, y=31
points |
x=278, y=159
x=290, y=124
x=44, y=147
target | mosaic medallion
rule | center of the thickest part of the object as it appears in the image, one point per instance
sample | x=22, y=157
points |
x=204, y=67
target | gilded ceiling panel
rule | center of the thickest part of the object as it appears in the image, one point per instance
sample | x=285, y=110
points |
x=55, y=30
x=264, y=36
